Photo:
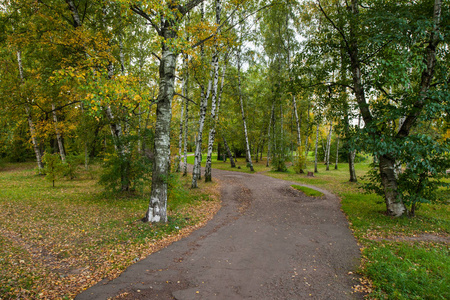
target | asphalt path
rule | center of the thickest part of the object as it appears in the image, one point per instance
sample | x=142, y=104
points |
x=268, y=241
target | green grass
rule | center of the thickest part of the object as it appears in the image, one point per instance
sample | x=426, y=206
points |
x=241, y=164
x=404, y=258
x=54, y=242
x=307, y=191
x=408, y=271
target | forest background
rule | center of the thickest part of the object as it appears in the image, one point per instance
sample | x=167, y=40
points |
x=135, y=86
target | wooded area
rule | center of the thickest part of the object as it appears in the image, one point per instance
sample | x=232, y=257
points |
x=350, y=97
x=137, y=85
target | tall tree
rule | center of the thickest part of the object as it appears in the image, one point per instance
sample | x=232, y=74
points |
x=170, y=14
x=407, y=54
x=214, y=106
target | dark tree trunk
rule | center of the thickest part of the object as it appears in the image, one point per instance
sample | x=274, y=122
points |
x=230, y=155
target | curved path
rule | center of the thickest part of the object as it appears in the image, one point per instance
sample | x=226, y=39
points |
x=268, y=241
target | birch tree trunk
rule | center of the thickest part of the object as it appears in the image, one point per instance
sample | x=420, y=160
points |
x=186, y=120
x=58, y=136
x=186, y=126
x=34, y=141
x=297, y=120
x=157, y=209
x=230, y=155
x=299, y=137
x=315, y=152
x=180, y=136
x=196, y=173
x=198, y=147
x=329, y=147
x=337, y=153
x=351, y=165
x=241, y=101
x=269, y=140
x=307, y=137
x=212, y=131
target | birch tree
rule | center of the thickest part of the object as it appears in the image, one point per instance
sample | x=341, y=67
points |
x=213, y=118
x=171, y=13
x=35, y=143
x=328, y=149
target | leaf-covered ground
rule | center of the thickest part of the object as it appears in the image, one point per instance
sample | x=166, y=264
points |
x=55, y=242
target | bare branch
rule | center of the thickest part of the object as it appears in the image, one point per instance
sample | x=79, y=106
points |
x=188, y=99
x=155, y=55
x=143, y=14
x=231, y=27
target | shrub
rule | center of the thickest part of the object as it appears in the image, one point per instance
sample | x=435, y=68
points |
x=53, y=167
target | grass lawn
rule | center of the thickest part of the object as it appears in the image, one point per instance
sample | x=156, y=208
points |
x=241, y=165
x=403, y=258
x=307, y=191
x=55, y=242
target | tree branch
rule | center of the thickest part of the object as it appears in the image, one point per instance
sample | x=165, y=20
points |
x=232, y=26
x=143, y=14
x=376, y=52
x=155, y=55
x=334, y=25
x=188, y=99
x=189, y=6
x=427, y=73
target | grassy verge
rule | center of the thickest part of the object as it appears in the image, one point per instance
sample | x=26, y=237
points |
x=403, y=258
x=307, y=191
x=55, y=242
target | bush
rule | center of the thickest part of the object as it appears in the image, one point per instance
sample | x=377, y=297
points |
x=72, y=164
x=53, y=167
x=300, y=161
x=424, y=162
x=125, y=173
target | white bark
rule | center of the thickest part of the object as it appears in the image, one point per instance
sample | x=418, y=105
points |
x=75, y=15
x=34, y=141
x=186, y=126
x=157, y=209
x=297, y=120
x=307, y=138
x=212, y=131
x=327, y=154
x=186, y=116
x=269, y=144
x=337, y=153
x=180, y=136
x=196, y=173
x=58, y=136
x=198, y=147
x=315, y=152
x=241, y=101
